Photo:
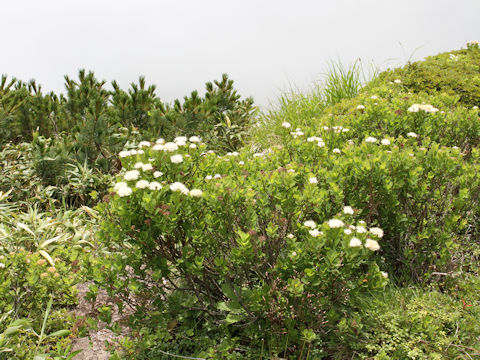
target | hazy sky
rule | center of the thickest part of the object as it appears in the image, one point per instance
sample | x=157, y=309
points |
x=263, y=45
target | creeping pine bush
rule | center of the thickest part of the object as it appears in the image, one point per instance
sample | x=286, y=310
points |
x=251, y=241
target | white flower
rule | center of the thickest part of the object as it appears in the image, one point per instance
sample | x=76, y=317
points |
x=131, y=175
x=321, y=144
x=178, y=186
x=124, y=191
x=217, y=176
x=142, y=184
x=286, y=125
x=147, y=167
x=158, y=147
x=372, y=245
x=140, y=152
x=354, y=242
x=384, y=274
x=371, y=139
x=291, y=170
x=360, y=229
x=376, y=231
x=412, y=134
x=176, y=159
x=424, y=107
x=170, y=146
x=313, y=180
x=348, y=210
x=347, y=232
x=192, y=146
x=160, y=141
x=241, y=163
x=335, y=223
x=120, y=185
x=133, y=152
x=315, y=232
x=345, y=130
x=374, y=97
x=143, y=144
x=475, y=107
x=124, y=153
x=196, y=192
x=157, y=174
x=258, y=154
x=154, y=185
x=360, y=107
x=310, y=223
x=397, y=81
x=2, y=266
x=325, y=128
x=138, y=165
x=194, y=139
x=385, y=142
x=180, y=140
x=336, y=151
x=290, y=236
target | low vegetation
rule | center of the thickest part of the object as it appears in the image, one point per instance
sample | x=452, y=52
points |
x=341, y=224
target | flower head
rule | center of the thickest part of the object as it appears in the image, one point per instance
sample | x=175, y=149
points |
x=286, y=125
x=124, y=191
x=178, y=186
x=131, y=175
x=313, y=180
x=348, y=210
x=376, y=231
x=144, y=144
x=170, y=146
x=154, y=185
x=310, y=223
x=335, y=223
x=124, y=153
x=194, y=139
x=176, y=159
x=385, y=142
x=142, y=184
x=315, y=232
x=354, y=242
x=196, y=192
x=371, y=139
x=157, y=174
x=372, y=245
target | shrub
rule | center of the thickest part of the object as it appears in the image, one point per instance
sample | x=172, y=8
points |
x=246, y=248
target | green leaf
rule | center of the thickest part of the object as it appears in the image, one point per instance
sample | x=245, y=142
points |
x=60, y=333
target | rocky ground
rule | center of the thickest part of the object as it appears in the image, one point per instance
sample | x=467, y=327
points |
x=94, y=346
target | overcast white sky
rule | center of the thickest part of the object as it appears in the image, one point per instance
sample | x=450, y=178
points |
x=263, y=45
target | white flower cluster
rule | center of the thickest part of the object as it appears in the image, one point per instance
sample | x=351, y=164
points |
x=453, y=57
x=125, y=153
x=122, y=189
x=424, y=107
x=472, y=43
x=298, y=132
x=371, y=139
x=339, y=129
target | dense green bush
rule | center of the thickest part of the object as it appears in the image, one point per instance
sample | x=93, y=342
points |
x=455, y=73
x=413, y=324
